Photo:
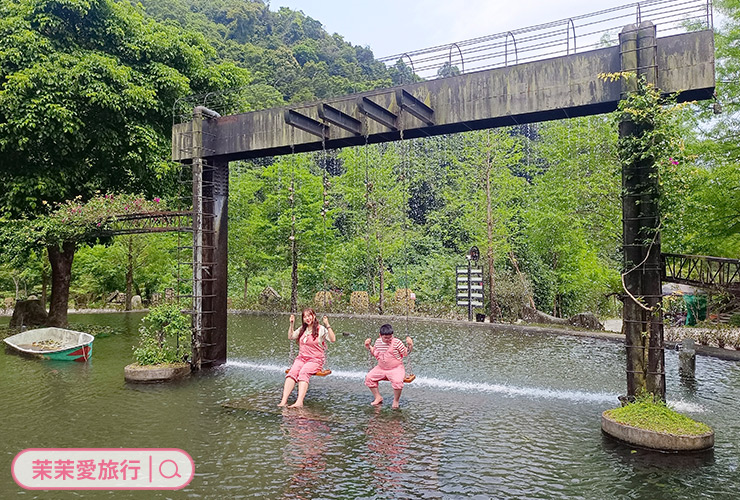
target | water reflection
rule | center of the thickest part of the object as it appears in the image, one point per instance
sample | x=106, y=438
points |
x=642, y=458
x=308, y=438
x=388, y=436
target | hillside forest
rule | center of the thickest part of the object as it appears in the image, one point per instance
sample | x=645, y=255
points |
x=89, y=90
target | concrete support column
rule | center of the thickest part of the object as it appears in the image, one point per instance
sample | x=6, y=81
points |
x=210, y=245
x=687, y=359
x=643, y=326
x=215, y=251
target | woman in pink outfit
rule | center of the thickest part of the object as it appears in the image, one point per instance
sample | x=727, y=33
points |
x=311, y=338
x=389, y=351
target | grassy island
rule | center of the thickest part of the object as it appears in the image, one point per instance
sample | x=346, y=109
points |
x=647, y=414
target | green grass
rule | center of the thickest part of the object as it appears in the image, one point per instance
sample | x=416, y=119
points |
x=656, y=416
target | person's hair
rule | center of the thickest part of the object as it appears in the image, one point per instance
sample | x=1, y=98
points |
x=314, y=326
x=386, y=329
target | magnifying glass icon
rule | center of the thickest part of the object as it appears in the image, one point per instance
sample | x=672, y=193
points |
x=176, y=474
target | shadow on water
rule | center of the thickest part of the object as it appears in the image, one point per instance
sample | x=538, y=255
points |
x=644, y=458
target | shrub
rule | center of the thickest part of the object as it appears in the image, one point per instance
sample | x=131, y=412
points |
x=164, y=336
x=734, y=320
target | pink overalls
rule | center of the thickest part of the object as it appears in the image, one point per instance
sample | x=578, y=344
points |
x=310, y=357
x=390, y=364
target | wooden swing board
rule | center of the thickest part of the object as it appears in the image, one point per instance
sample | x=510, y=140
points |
x=320, y=373
x=249, y=404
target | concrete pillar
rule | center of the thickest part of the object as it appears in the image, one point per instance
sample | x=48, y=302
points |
x=643, y=326
x=687, y=359
x=215, y=284
x=210, y=246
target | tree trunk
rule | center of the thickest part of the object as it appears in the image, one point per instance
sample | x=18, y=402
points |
x=44, y=286
x=61, y=275
x=246, y=285
x=130, y=274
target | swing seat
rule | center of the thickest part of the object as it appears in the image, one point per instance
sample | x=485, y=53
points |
x=320, y=373
x=410, y=377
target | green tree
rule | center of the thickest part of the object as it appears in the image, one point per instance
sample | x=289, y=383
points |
x=374, y=190
x=572, y=215
x=86, y=93
x=701, y=204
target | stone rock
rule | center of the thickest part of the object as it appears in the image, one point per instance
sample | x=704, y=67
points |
x=169, y=294
x=32, y=297
x=28, y=313
x=9, y=301
x=136, y=302
x=586, y=320
x=139, y=374
x=116, y=298
x=534, y=316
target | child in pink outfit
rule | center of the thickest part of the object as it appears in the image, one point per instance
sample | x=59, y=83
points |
x=389, y=351
x=311, y=339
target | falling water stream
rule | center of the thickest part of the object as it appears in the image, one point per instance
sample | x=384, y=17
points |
x=494, y=412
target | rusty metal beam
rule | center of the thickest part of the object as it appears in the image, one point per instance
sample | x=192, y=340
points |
x=306, y=124
x=414, y=106
x=377, y=112
x=701, y=271
x=342, y=120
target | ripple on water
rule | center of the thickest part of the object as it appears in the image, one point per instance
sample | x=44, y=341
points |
x=491, y=414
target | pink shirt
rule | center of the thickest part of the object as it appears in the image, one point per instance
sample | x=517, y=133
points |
x=308, y=346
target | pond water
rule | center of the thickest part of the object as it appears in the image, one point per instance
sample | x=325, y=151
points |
x=493, y=413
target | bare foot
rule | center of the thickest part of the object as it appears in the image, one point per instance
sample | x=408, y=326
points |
x=395, y=405
x=296, y=405
x=377, y=402
x=283, y=404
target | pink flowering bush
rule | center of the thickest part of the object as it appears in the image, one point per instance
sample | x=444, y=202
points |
x=77, y=220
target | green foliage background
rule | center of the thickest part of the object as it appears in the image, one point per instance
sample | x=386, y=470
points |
x=87, y=93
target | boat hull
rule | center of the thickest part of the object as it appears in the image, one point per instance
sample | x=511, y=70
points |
x=79, y=354
x=68, y=345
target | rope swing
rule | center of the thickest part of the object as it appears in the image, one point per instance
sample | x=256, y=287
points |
x=409, y=377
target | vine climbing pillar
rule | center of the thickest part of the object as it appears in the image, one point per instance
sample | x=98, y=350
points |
x=642, y=317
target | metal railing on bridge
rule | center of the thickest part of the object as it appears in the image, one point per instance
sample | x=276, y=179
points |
x=702, y=271
x=553, y=39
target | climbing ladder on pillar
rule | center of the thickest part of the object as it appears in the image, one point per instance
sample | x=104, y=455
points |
x=196, y=260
